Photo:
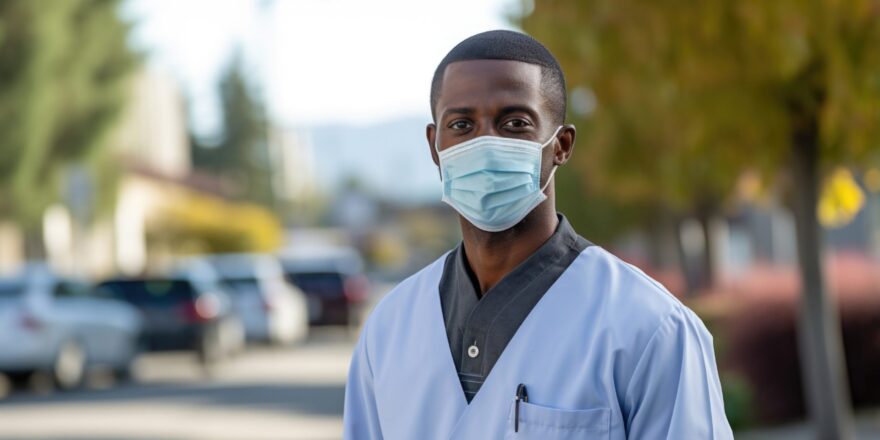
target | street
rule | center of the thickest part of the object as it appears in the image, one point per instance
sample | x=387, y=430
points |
x=264, y=393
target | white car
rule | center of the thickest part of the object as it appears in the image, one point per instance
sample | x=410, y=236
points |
x=273, y=310
x=58, y=325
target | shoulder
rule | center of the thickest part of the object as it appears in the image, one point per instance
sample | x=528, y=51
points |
x=623, y=285
x=636, y=314
x=634, y=305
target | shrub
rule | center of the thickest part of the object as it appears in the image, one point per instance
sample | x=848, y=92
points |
x=754, y=322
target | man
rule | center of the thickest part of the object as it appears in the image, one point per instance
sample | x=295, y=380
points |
x=525, y=330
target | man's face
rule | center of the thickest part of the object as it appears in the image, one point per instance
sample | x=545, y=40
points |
x=492, y=98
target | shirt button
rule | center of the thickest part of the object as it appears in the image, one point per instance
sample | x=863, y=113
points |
x=473, y=351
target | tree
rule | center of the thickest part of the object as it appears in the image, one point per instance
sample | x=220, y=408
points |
x=692, y=95
x=642, y=152
x=242, y=155
x=63, y=70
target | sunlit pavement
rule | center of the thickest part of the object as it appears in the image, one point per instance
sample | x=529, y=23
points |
x=265, y=393
x=867, y=427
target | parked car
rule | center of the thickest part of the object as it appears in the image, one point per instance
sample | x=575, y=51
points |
x=59, y=325
x=273, y=310
x=333, y=281
x=182, y=312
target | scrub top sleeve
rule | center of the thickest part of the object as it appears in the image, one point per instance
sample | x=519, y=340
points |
x=360, y=416
x=675, y=392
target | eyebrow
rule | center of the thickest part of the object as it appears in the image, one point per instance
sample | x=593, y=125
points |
x=457, y=110
x=519, y=108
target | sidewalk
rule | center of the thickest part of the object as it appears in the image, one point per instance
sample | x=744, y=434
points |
x=867, y=428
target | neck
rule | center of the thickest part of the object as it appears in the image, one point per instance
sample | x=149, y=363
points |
x=492, y=255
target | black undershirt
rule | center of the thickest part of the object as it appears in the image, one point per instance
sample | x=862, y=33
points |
x=489, y=321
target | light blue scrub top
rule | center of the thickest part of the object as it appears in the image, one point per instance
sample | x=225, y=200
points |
x=607, y=353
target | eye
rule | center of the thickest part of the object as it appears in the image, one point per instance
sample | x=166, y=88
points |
x=516, y=124
x=460, y=124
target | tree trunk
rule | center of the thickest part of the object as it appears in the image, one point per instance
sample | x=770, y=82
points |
x=707, y=263
x=822, y=361
x=691, y=284
x=662, y=237
x=34, y=246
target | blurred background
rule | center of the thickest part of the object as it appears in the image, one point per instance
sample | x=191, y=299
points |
x=201, y=200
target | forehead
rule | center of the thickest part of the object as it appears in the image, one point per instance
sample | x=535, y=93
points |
x=476, y=83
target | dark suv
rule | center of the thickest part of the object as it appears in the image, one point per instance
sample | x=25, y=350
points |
x=333, y=282
x=180, y=314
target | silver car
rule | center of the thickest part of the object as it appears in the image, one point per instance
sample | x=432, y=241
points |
x=58, y=325
x=272, y=309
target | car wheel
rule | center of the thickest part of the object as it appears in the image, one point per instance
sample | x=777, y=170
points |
x=69, y=369
x=230, y=338
x=19, y=380
x=210, y=349
x=125, y=372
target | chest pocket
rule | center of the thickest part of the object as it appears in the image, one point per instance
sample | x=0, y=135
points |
x=542, y=422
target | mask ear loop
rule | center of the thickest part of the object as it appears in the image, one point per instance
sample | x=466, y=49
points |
x=549, y=178
x=436, y=141
x=555, y=133
x=437, y=150
x=552, y=170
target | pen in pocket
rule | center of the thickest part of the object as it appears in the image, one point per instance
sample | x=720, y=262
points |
x=521, y=396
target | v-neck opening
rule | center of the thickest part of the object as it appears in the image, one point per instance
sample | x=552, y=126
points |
x=479, y=330
x=488, y=375
x=492, y=377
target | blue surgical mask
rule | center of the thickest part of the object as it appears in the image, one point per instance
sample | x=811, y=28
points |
x=494, y=182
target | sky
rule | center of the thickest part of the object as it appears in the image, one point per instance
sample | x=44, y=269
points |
x=321, y=61
x=343, y=72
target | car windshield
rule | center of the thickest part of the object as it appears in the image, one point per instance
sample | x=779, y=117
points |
x=242, y=285
x=10, y=289
x=318, y=283
x=149, y=292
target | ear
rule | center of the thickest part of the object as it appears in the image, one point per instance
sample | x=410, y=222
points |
x=565, y=144
x=431, y=134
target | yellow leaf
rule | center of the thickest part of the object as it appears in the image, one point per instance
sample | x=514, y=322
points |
x=841, y=199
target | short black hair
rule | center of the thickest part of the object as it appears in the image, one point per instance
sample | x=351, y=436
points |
x=513, y=46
